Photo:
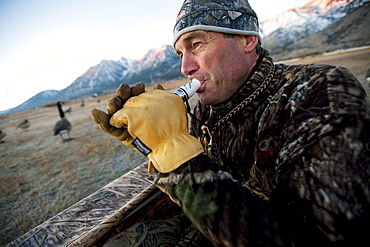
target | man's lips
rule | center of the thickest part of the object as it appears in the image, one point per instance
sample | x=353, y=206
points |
x=202, y=86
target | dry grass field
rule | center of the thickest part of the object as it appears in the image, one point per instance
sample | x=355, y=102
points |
x=357, y=61
x=40, y=175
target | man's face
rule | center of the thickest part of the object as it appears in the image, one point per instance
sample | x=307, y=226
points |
x=219, y=63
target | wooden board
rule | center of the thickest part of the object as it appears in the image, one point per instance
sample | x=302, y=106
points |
x=127, y=200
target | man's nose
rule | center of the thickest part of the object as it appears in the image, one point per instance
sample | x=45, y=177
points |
x=189, y=65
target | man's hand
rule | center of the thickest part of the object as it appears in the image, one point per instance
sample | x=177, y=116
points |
x=156, y=125
x=115, y=103
x=123, y=93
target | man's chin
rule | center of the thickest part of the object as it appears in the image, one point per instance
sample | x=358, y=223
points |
x=204, y=100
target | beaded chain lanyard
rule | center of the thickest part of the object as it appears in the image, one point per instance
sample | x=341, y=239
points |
x=212, y=129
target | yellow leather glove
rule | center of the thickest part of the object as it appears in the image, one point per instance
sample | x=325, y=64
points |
x=156, y=125
x=115, y=103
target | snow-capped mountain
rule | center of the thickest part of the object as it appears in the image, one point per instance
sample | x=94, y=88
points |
x=158, y=65
x=101, y=77
x=37, y=100
x=349, y=32
x=295, y=24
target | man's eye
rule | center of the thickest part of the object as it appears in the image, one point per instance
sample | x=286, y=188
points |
x=196, y=44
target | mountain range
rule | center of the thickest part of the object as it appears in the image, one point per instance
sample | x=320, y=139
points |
x=319, y=26
x=158, y=65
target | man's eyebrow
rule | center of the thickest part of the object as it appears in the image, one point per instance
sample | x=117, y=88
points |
x=190, y=36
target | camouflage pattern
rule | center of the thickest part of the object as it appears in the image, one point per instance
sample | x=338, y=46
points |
x=294, y=163
x=172, y=230
x=227, y=16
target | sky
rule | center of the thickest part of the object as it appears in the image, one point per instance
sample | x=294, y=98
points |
x=47, y=44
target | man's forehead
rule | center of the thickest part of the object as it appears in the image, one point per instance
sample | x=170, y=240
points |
x=193, y=34
x=187, y=37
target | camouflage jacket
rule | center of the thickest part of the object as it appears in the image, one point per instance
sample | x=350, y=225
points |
x=290, y=167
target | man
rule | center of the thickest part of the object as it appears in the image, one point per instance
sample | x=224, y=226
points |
x=287, y=147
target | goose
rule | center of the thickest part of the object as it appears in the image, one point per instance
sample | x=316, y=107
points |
x=2, y=135
x=63, y=125
x=24, y=125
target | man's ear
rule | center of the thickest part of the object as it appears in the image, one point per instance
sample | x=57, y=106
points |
x=251, y=42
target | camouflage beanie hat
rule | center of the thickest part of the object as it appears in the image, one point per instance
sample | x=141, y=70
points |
x=225, y=16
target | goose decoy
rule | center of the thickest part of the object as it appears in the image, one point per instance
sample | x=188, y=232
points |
x=24, y=125
x=2, y=135
x=63, y=125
